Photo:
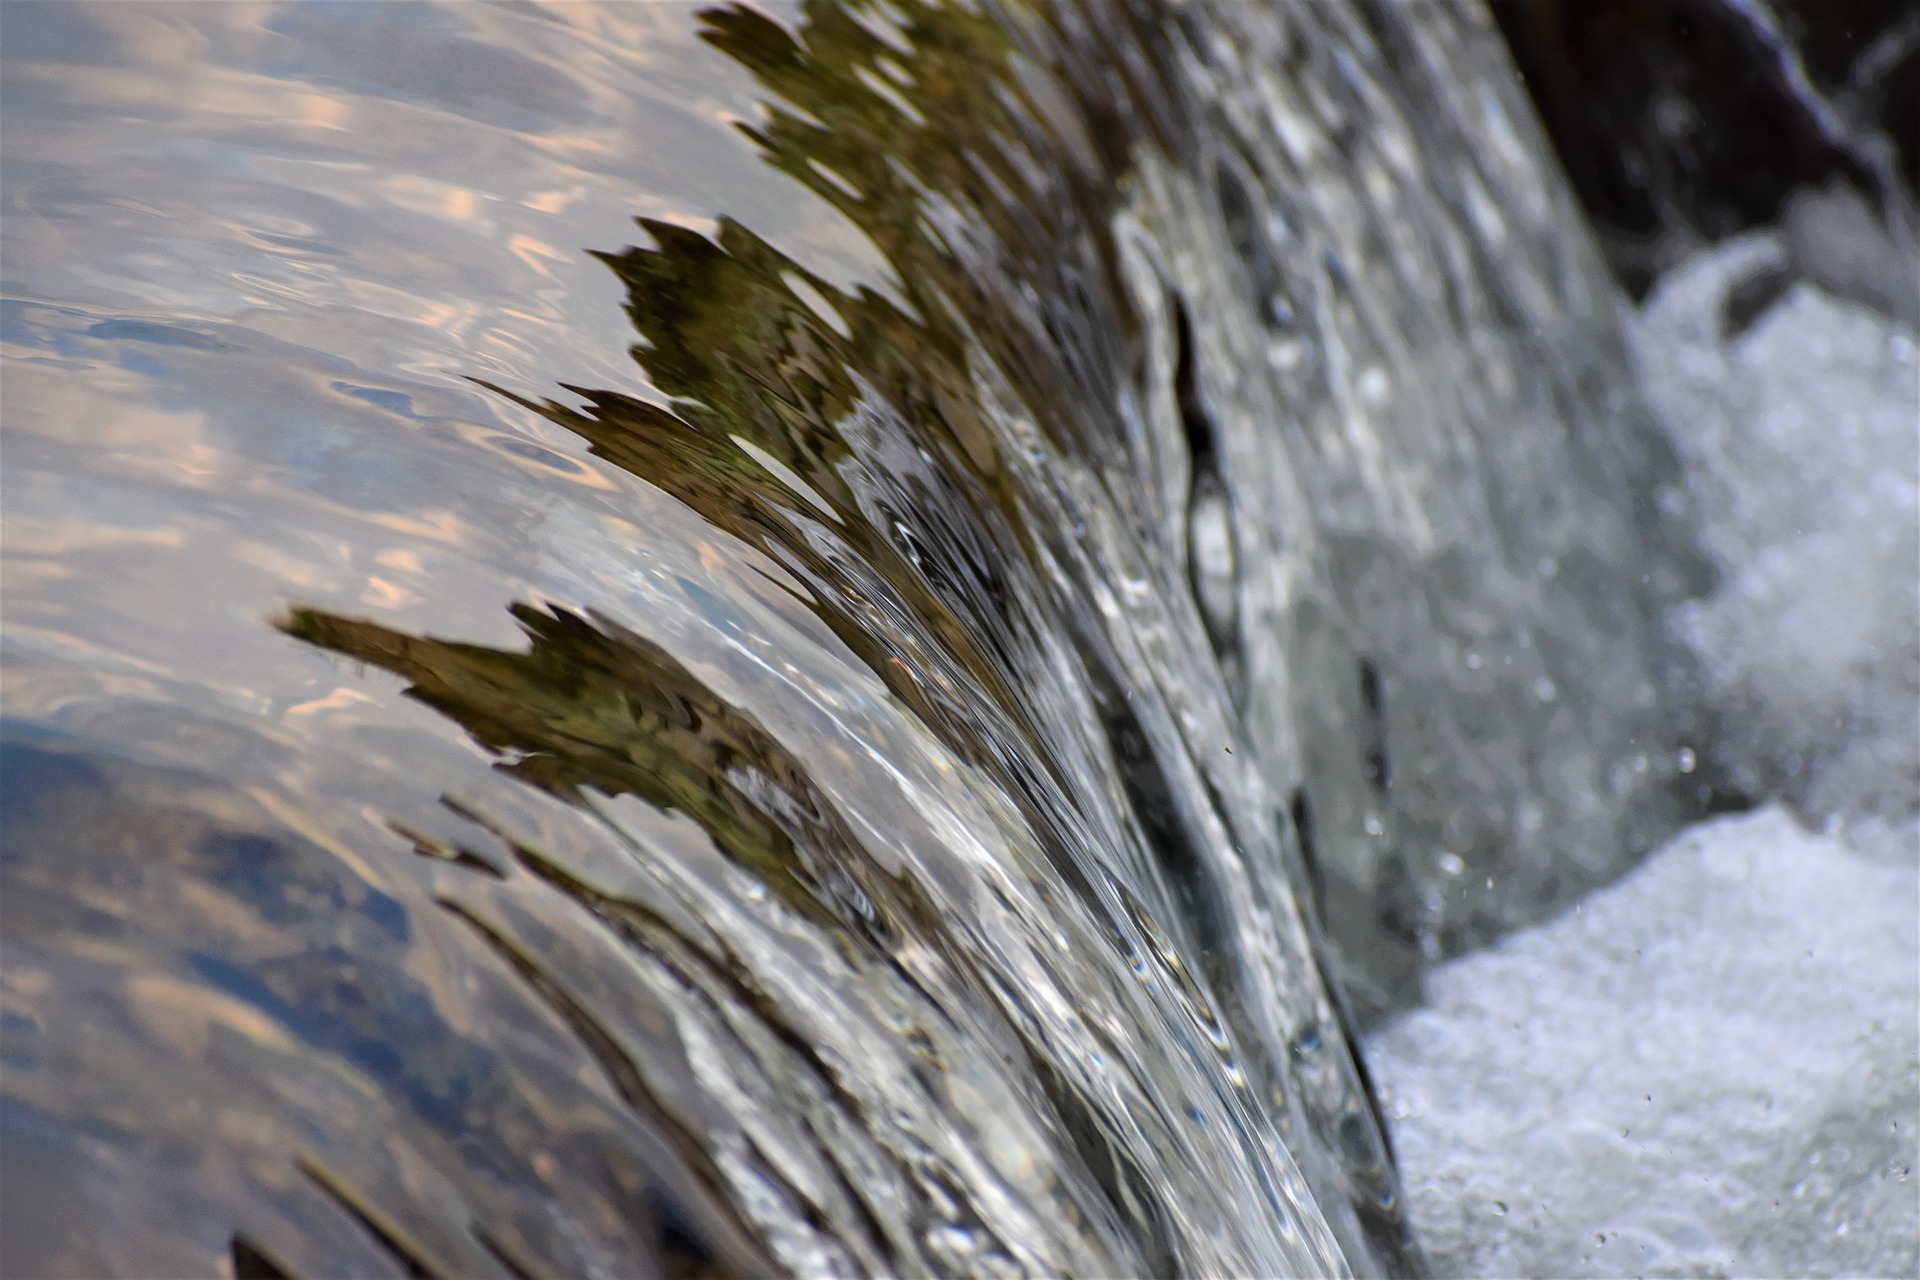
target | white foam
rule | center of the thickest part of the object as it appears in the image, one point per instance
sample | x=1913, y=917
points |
x=1800, y=439
x=1710, y=1068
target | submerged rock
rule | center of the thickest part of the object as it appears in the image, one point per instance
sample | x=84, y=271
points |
x=1684, y=123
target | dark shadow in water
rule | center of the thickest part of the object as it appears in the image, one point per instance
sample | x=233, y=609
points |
x=591, y=705
x=285, y=986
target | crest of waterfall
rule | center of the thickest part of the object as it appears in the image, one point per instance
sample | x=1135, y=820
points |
x=1076, y=549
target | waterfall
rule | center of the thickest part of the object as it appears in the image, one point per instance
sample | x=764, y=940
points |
x=892, y=715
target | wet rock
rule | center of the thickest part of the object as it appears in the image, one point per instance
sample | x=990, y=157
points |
x=1685, y=122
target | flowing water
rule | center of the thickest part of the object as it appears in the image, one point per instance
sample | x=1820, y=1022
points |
x=862, y=723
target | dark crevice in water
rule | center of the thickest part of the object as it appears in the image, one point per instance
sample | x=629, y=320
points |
x=1266, y=279
x=1363, y=1135
x=441, y=851
x=1117, y=1172
x=502, y=1254
x=674, y=1236
x=612, y=1060
x=651, y=932
x=1194, y=418
x=251, y=1262
x=1152, y=800
x=1300, y=812
x=1373, y=703
x=683, y=1251
x=648, y=932
x=1212, y=554
x=1751, y=298
x=1723, y=796
x=411, y=1258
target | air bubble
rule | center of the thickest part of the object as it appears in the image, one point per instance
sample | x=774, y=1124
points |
x=1215, y=563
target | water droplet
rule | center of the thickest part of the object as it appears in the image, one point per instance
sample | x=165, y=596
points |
x=1451, y=864
x=1473, y=661
x=1374, y=386
x=1686, y=760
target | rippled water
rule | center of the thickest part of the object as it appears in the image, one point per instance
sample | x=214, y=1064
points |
x=860, y=724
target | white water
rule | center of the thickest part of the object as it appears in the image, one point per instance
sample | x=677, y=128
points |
x=1801, y=439
x=1706, y=1069
x=1713, y=1066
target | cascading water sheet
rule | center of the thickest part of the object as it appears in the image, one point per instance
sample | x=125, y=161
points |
x=865, y=730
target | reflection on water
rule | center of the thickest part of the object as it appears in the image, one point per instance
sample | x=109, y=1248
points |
x=853, y=781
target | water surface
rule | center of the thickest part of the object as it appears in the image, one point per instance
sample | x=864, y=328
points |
x=854, y=724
